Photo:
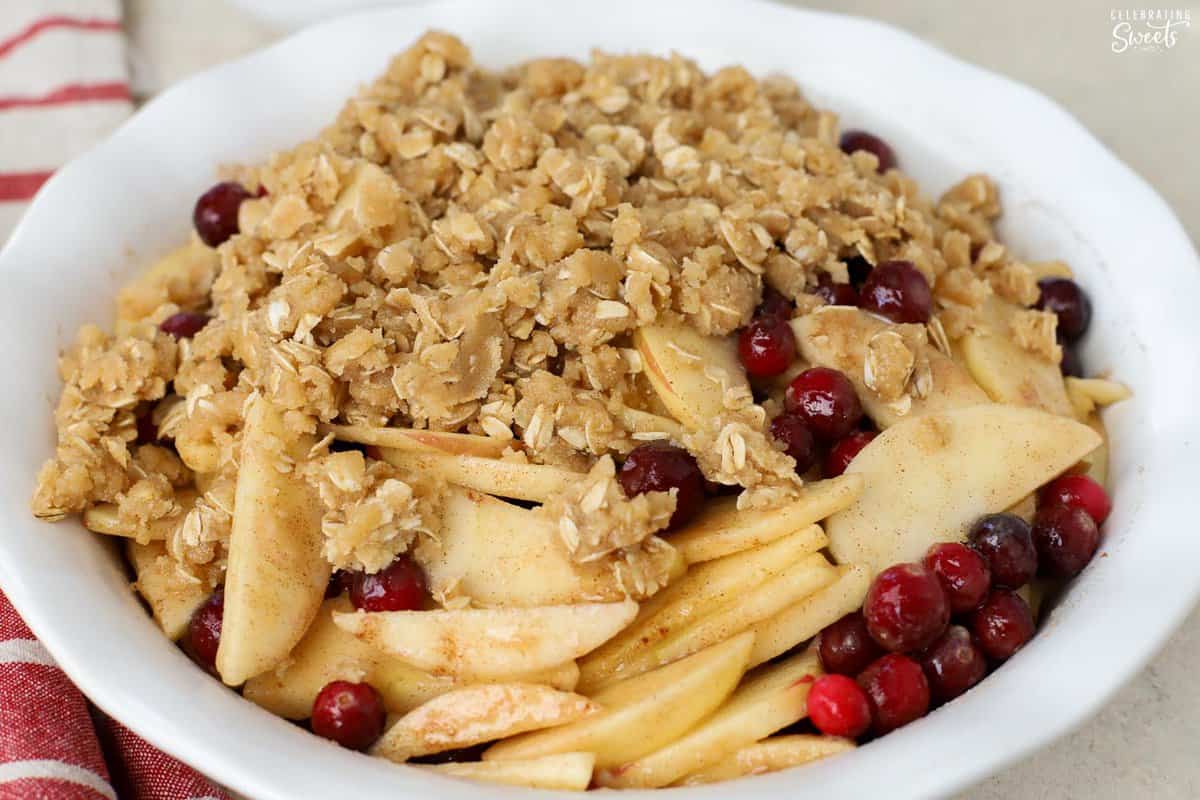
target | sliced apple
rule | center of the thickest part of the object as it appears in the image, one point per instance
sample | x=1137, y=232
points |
x=928, y=478
x=769, y=699
x=477, y=644
x=800, y=622
x=1086, y=394
x=645, y=424
x=567, y=772
x=477, y=714
x=705, y=589
x=420, y=441
x=1096, y=462
x=645, y=713
x=499, y=554
x=755, y=603
x=837, y=336
x=172, y=601
x=328, y=653
x=104, y=518
x=690, y=372
x=535, y=482
x=770, y=755
x=277, y=573
x=721, y=529
x=1008, y=372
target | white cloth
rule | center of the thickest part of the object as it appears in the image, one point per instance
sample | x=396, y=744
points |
x=64, y=85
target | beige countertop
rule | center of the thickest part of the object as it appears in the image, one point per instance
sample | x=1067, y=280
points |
x=1141, y=104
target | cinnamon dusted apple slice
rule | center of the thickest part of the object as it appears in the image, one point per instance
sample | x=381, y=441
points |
x=768, y=699
x=478, y=644
x=721, y=529
x=499, y=554
x=519, y=481
x=104, y=518
x=647, y=426
x=690, y=372
x=645, y=713
x=705, y=590
x=928, y=478
x=801, y=621
x=477, y=714
x=327, y=653
x=753, y=604
x=838, y=337
x=568, y=772
x=420, y=441
x=1008, y=372
x=770, y=755
x=277, y=573
x=172, y=601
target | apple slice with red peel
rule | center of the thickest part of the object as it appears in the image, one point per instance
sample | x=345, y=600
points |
x=477, y=714
x=277, y=571
x=567, y=772
x=837, y=336
x=927, y=479
x=690, y=372
x=478, y=644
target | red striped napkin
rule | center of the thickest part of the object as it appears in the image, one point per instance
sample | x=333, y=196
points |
x=55, y=746
x=64, y=84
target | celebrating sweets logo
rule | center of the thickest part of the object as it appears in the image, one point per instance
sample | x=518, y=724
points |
x=1148, y=29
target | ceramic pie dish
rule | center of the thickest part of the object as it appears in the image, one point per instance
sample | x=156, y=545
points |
x=128, y=202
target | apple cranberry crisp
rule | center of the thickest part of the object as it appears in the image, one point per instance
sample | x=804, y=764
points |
x=560, y=408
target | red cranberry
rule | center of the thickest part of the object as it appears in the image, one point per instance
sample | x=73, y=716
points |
x=793, y=433
x=846, y=648
x=963, y=573
x=660, y=467
x=906, y=608
x=774, y=306
x=351, y=714
x=835, y=294
x=1066, y=539
x=859, y=268
x=1002, y=625
x=861, y=140
x=767, y=346
x=839, y=707
x=147, y=431
x=897, y=290
x=400, y=586
x=1072, y=363
x=826, y=400
x=1005, y=541
x=339, y=583
x=183, y=325
x=1069, y=303
x=204, y=631
x=216, y=213
x=842, y=453
x=1078, y=491
x=953, y=664
x=898, y=691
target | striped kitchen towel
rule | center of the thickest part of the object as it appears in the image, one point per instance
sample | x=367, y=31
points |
x=55, y=746
x=64, y=84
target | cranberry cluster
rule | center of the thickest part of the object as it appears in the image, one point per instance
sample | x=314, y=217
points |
x=929, y=632
x=351, y=714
